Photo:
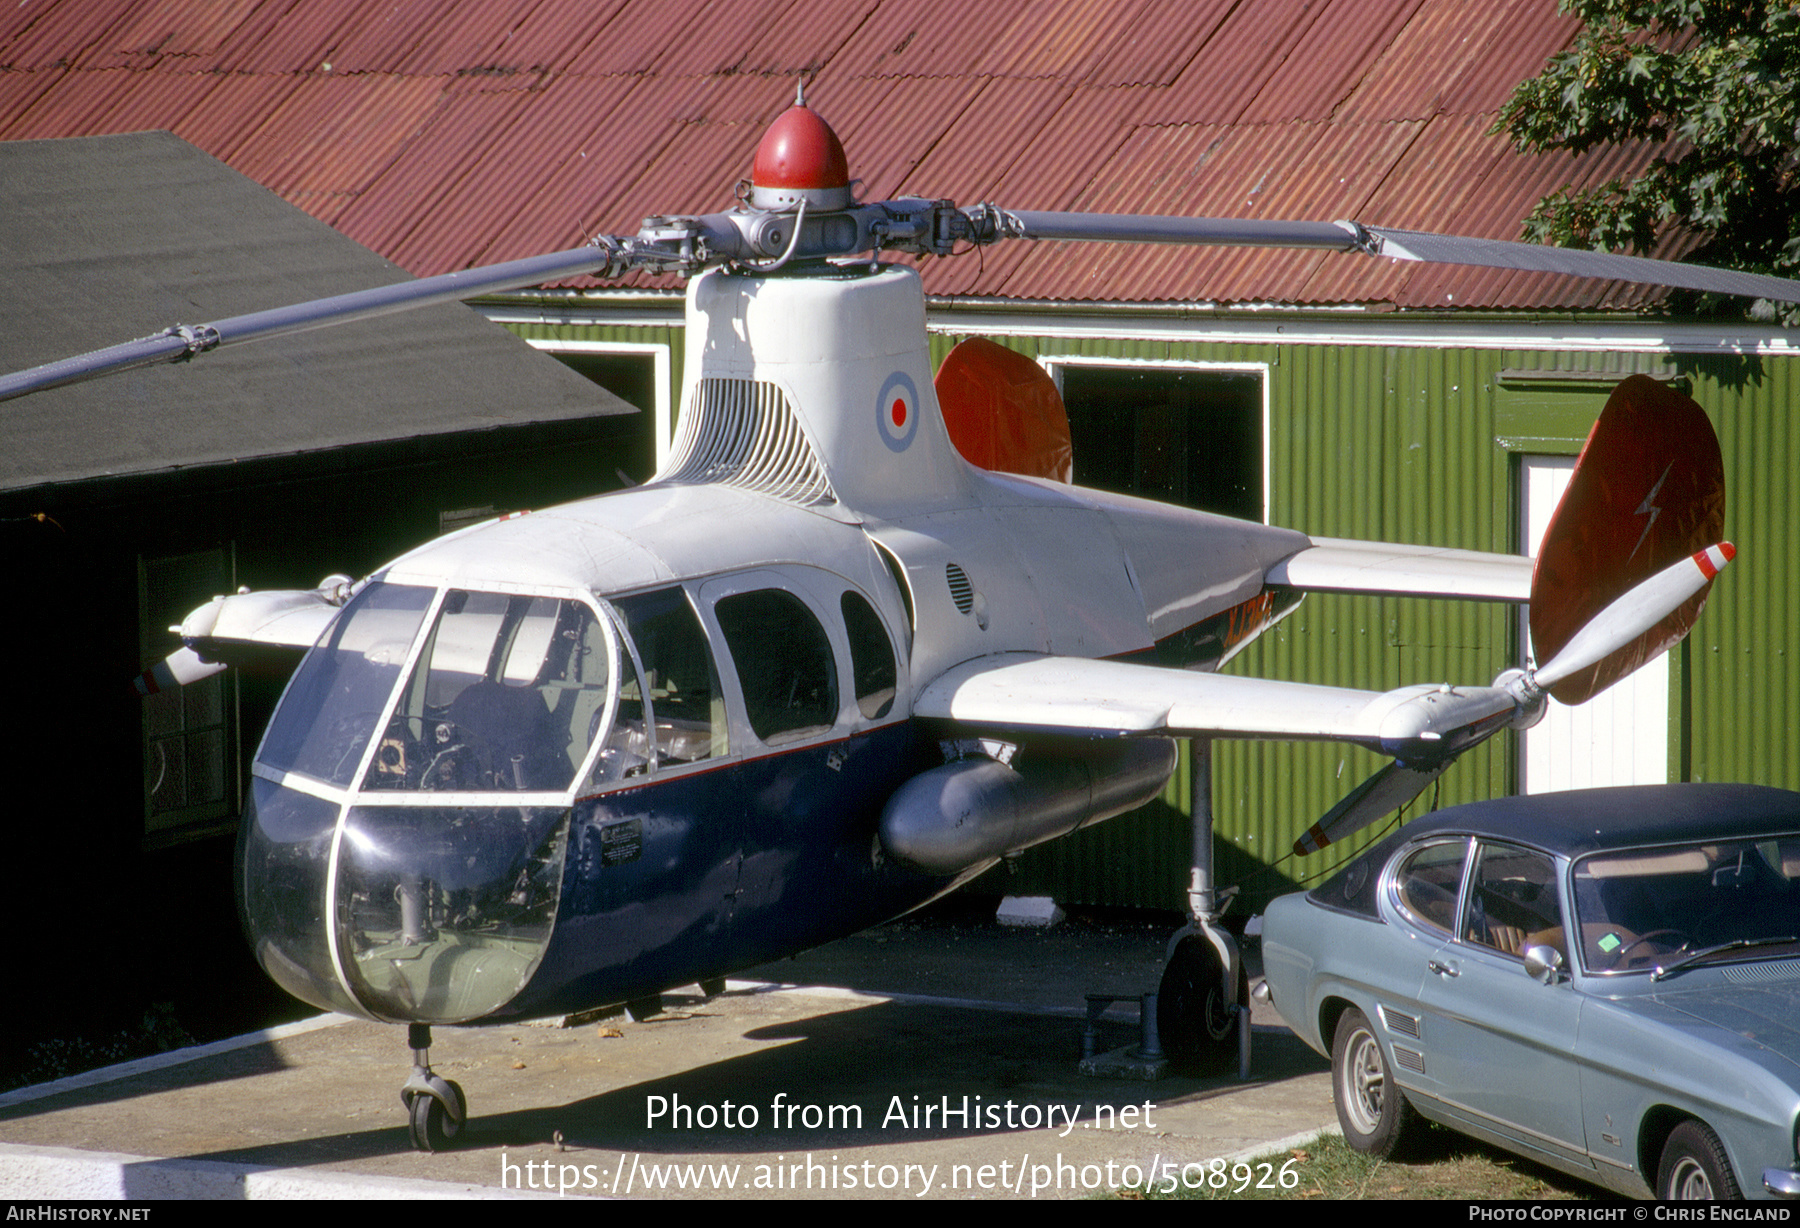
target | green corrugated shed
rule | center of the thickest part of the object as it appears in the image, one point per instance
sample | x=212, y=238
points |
x=1418, y=441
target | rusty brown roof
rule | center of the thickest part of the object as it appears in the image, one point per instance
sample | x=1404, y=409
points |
x=444, y=136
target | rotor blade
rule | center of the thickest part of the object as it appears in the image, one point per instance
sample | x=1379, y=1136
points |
x=1496, y=254
x=182, y=341
x=1395, y=244
x=1636, y=612
x=1202, y=231
x=1381, y=794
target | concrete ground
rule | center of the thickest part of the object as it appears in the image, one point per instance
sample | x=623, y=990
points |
x=933, y=1057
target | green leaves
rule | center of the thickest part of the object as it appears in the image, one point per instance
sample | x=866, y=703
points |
x=1713, y=82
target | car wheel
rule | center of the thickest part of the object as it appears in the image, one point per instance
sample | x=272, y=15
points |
x=1375, y=1114
x=1694, y=1167
x=1195, y=1020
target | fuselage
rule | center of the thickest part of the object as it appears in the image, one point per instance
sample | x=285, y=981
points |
x=582, y=755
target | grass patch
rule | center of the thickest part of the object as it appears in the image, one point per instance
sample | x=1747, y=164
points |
x=1447, y=1165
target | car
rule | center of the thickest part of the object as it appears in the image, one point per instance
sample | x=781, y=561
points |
x=1606, y=981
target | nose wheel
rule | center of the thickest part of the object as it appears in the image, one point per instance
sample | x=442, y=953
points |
x=436, y=1110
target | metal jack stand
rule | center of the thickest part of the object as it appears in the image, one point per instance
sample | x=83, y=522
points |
x=1144, y=1060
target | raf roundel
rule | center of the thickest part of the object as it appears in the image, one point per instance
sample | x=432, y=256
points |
x=897, y=411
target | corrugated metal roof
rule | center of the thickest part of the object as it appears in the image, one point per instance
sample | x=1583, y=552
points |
x=103, y=234
x=1328, y=59
x=445, y=136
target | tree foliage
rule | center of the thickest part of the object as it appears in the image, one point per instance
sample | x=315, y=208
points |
x=1715, y=85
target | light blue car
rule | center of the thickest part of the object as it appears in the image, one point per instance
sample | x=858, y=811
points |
x=1605, y=981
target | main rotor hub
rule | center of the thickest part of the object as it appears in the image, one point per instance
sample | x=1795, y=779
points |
x=800, y=159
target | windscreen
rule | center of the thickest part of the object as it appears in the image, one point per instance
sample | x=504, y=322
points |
x=1648, y=907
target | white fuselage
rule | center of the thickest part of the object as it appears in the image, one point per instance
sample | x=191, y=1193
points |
x=654, y=736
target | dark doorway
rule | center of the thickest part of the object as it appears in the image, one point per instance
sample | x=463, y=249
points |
x=1179, y=435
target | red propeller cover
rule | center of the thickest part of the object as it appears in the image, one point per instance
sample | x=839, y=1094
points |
x=1003, y=411
x=1647, y=491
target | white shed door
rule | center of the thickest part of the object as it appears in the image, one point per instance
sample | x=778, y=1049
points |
x=1619, y=737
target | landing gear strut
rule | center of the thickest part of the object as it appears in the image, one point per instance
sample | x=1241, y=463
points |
x=436, y=1111
x=1203, y=1003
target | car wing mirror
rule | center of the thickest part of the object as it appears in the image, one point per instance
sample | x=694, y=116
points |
x=1544, y=964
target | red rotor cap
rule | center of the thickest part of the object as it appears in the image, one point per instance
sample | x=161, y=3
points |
x=800, y=159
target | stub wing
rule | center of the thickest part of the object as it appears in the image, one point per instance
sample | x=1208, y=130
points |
x=1334, y=565
x=1023, y=692
x=221, y=631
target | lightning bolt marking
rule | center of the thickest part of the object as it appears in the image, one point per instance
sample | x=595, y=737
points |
x=1649, y=508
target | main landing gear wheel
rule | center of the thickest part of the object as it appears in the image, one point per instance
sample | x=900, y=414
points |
x=1197, y=1022
x=1375, y=1114
x=1694, y=1167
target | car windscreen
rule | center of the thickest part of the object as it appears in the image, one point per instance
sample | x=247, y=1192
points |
x=1645, y=908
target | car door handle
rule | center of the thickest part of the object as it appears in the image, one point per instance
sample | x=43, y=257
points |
x=1441, y=968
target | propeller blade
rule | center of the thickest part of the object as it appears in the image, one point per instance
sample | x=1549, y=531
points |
x=184, y=341
x=1648, y=490
x=1636, y=612
x=177, y=669
x=1396, y=244
x=1614, y=628
x=1381, y=794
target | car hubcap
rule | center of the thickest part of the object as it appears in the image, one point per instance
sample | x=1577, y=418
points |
x=1688, y=1183
x=1367, y=1079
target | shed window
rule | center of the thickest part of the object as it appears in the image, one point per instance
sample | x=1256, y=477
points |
x=1183, y=435
x=189, y=767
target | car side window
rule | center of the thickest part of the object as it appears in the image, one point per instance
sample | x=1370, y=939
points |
x=1429, y=882
x=1513, y=902
x=784, y=663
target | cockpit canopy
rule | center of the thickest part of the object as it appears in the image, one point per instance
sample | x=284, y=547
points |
x=403, y=856
x=507, y=693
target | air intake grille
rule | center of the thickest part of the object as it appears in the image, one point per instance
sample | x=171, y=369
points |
x=1754, y=974
x=1400, y=1023
x=961, y=591
x=743, y=433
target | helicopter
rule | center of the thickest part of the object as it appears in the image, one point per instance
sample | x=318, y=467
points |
x=858, y=641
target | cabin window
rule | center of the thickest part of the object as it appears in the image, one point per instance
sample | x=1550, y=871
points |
x=680, y=681
x=329, y=712
x=784, y=663
x=871, y=656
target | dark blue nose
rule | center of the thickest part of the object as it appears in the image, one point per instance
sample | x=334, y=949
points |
x=421, y=914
